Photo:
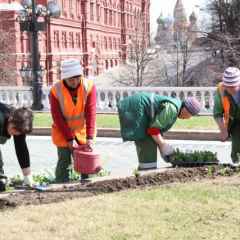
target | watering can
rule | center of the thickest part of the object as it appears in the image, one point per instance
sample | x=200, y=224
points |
x=86, y=160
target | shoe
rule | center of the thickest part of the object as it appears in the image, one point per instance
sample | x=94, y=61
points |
x=147, y=166
x=3, y=183
x=235, y=164
x=84, y=178
x=146, y=169
x=28, y=181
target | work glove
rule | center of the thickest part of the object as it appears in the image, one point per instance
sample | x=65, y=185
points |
x=70, y=145
x=166, y=151
x=90, y=144
x=224, y=135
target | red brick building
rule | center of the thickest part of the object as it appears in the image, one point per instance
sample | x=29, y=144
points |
x=95, y=31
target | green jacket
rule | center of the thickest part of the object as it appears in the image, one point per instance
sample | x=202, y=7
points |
x=143, y=110
x=234, y=117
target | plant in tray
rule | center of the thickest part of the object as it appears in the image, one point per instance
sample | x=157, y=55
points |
x=193, y=158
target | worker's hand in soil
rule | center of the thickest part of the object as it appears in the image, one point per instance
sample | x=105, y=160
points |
x=166, y=150
x=224, y=135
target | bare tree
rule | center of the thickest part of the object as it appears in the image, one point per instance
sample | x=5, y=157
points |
x=181, y=58
x=226, y=31
x=139, y=56
x=7, y=58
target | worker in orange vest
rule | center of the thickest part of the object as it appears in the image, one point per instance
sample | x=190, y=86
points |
x=73, y=109
x=227, y=110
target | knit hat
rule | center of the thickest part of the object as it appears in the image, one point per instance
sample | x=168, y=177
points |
x=192, y=105
x=71, y=68
x=231, y=77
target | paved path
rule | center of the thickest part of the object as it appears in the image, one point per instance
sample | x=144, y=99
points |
x=119, y=158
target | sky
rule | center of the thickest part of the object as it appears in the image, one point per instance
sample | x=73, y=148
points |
x=167, y=6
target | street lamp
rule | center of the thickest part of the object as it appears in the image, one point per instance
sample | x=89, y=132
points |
x=29, y=21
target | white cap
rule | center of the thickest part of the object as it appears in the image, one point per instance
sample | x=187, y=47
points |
x=71, y=68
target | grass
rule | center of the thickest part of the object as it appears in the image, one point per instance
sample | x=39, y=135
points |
x=111, y=121
x=191, y=211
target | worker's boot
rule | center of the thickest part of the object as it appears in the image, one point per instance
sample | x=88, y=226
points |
x=147, y=154
x=62, y=168
x=3, y=183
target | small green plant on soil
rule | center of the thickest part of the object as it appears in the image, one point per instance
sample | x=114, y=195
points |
x=136, y=172
x=45, y=178
x=75, y=176
x=103, y=173
x=48, y=178
x=225, y=171
x=211, y=171
x=14, y=181
x=194, y=158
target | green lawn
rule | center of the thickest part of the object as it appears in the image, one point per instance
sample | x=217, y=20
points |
x=111, y=121
x=192, y=211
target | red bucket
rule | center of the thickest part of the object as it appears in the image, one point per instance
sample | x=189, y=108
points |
x=85, y=160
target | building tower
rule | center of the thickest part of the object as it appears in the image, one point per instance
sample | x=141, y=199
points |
x=180, y=25
x=193, y=27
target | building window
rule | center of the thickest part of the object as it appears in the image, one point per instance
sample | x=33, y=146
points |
x=71, y=39
x=64, y=39
x=114, y=44
x=114, y=19
x=110, y=43
x=105, y=43
x=56, y=39
x=119, y=19
x=71, y=8
x=78, y=40
x=78, y=13
x=97, y=42
x=92, y=11
x=110, y=17
x=105, y=16
x=98, y=12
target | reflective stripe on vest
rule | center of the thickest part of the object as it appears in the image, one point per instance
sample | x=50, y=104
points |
x=225, y=103
x=60, y=98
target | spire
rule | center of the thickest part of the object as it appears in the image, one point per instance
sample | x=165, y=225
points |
x=180, y=13
x=180, y=21
x=193, y=18
x=160, y=19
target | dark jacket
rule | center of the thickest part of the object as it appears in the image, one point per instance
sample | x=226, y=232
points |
x=19, y=141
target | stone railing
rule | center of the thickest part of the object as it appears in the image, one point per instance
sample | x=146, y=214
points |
x=107, y=98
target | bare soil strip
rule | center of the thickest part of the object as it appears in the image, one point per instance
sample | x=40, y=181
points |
x=78, y=190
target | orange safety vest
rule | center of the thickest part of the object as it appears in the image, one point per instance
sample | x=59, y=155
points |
x=74, y=114
x=225, y=103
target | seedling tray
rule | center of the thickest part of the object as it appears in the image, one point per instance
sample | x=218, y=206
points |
x=193, y=159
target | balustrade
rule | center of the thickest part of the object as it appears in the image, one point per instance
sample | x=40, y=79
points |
x=107, y=98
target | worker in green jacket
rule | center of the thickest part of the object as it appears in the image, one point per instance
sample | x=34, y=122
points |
x=144, y=117
x=227, y=110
